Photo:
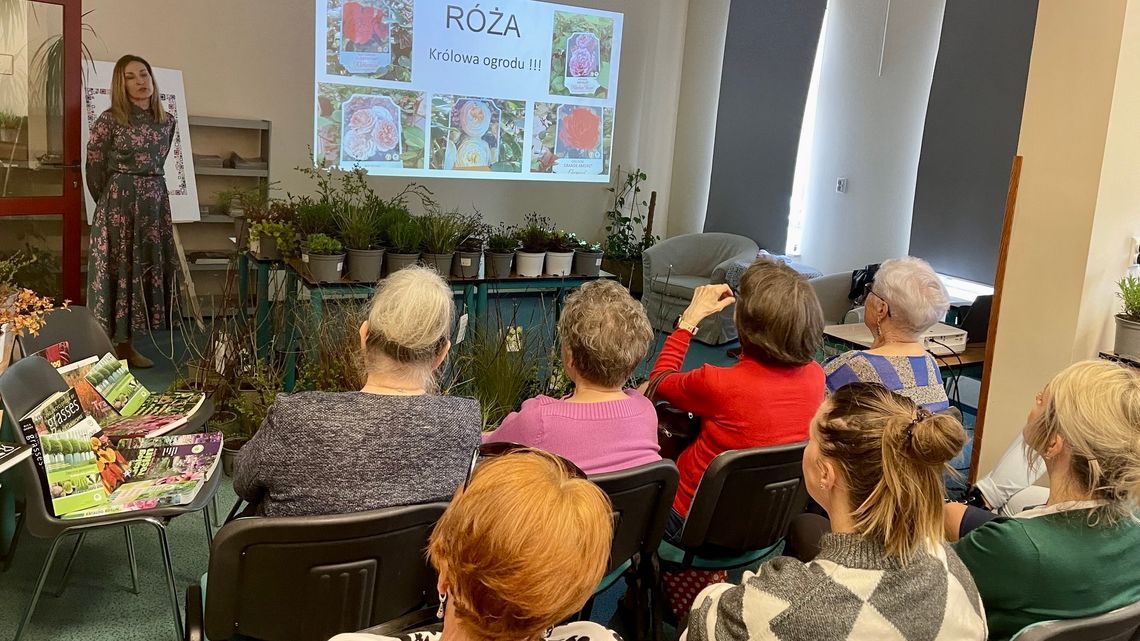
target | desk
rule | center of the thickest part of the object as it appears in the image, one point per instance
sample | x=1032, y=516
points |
x=857, y=336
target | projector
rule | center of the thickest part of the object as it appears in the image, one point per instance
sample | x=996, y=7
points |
x=944, y=340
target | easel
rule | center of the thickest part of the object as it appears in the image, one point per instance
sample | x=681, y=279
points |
x=187, y=282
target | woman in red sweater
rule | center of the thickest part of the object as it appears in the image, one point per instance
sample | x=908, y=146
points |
x=769, y=396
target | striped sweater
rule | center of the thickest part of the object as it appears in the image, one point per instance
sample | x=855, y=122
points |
x=916, y=377
x=852, y=591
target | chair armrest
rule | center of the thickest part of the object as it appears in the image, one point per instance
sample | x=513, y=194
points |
x=720, y=270
x=194, y=615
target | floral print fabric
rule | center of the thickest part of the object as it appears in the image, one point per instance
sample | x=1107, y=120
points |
x=132, y=265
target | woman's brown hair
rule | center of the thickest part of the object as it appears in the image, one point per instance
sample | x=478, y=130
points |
x=891, y=455
x=121, y=102
x=778, y=315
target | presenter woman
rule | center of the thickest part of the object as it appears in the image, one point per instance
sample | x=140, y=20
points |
x=132, y=265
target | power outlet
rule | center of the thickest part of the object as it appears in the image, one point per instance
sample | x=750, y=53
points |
x=1133, y=250
x=841, y=186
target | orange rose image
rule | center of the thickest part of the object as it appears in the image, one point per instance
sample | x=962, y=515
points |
x=580, y=129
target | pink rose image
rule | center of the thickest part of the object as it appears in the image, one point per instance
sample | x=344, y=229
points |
x=362, y=120
x=386, y=135
x=583, y=41
x=359, y=145
x=582, y=63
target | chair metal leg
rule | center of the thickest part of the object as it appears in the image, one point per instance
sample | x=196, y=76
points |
x=39, y=587
x=70, y=562
x=214, y=505
x=131, y=558
x=168, y=564
x=209, y=527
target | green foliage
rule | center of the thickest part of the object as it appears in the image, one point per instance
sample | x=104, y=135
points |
x=628, y=230
x=1129, y=294
x=406, y=236
x=336, y=365
x=359, y=225
x=284, y=233
x=315, y=217
x=9, y=120
x=497, y=372
x=503, y=239
x=47, y=63
x=475, y=232
x=564, y=241
x=590, y=248
x=442, y=231
x=322, y=244
x=534, y=236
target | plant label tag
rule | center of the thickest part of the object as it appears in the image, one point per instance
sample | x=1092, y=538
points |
x=461, y=332
x=255, y=246
x=340, y=267
x=304, y=258
x=598, y=262
x=514, y=339
x=464, y=262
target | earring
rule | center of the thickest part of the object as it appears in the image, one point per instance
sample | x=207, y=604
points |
x=442, y=604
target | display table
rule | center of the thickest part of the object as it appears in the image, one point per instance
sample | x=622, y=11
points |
x=856, y=336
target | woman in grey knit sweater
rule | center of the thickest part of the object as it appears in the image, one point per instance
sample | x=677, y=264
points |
x=885, y=573
x=392, y=443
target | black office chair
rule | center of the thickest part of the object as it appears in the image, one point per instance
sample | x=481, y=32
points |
x=25, y=385
x=309, y=578
x=641, y=499
x=741, y=510
x=1122, y=624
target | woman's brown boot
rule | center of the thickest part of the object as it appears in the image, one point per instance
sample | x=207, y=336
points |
x=135, y=360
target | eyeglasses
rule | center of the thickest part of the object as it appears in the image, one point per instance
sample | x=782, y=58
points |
x=492, y=450
x=869, y=290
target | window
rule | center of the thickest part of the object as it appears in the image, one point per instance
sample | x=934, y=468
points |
x=797, y=205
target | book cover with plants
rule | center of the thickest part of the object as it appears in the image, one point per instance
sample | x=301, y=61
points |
x=93, y=403
x=64, y=441
x=115, y=383
x=179, y=403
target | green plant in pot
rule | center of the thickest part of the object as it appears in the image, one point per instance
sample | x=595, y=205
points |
x=501, y=245
x=560, y=253
x=359, y=227
x=470, y=250
x=1127, y=341
x=588, y=259
x=9, y=126
x=316, y=218
x=272, y=240
x=324, y=257
x=442, y=232
x=406, y=237
x=534, y=239
x=629, y=231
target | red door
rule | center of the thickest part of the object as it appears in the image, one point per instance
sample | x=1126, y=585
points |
x=40, y=151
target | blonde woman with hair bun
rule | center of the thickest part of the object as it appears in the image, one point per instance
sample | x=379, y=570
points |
x=874, y=462
x=1077, y=555
x=395, y=442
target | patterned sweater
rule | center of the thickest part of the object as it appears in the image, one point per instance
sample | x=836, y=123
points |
x=852, y=591
x=576, y=631
x=341, y=452
x=916, y=377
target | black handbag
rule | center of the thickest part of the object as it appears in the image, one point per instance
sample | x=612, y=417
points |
x=676, y=428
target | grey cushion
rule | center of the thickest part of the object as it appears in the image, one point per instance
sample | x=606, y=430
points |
x=677, y=285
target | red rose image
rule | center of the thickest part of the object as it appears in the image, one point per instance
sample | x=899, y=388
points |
x=580, y=129
x=359, y=22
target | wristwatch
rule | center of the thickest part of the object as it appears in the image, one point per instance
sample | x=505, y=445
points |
x=679, y=324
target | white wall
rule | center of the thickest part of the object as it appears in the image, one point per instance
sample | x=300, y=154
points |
x=1065, y=187
x=869, y=130
x=254, y=59
x=696, y=116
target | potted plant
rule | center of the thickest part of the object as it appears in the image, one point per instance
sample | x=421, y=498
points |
x=270, y=239
x=1128, y=321
x=442, y=232
x=629, y=232
x=324, y=257
x=500, y=253
x=234, y=436
x=406, y=237
x=315, y=218
x=560, y=253
x=588, y=259
x=534, y=238
x=359, y=228
x=470, y=250
x=9, y=126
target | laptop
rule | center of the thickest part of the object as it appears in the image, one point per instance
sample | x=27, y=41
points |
x=976, y=322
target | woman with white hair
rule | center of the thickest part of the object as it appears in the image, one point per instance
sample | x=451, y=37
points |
x=906, y=299
x=395, y=442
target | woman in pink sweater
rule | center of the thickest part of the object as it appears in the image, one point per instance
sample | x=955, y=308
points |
x=601, y=426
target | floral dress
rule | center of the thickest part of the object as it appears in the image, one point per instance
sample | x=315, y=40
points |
x=133, y=263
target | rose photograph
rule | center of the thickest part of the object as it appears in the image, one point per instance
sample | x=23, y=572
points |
x=580, y=55
x=571, y=139
x=366, y=125
x=482, y=134
x=370, y=38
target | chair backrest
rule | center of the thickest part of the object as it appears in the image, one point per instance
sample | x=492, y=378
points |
x=745, y=500
x=77, y=326
x=309, y=578
x=832, y=291
x=696, y=254
x=641, y=498
x=23, y=386
x=1122, y=624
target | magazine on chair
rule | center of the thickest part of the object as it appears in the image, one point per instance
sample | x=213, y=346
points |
x=11, y=453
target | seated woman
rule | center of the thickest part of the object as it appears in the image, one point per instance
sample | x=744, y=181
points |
x=1076, y=556
x=769, y=396
x=520, y=549
x=875, y=463
x=601, y=426
x=392, y=443
x=906, y=299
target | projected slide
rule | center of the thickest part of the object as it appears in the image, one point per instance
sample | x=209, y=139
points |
x=510, y=90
